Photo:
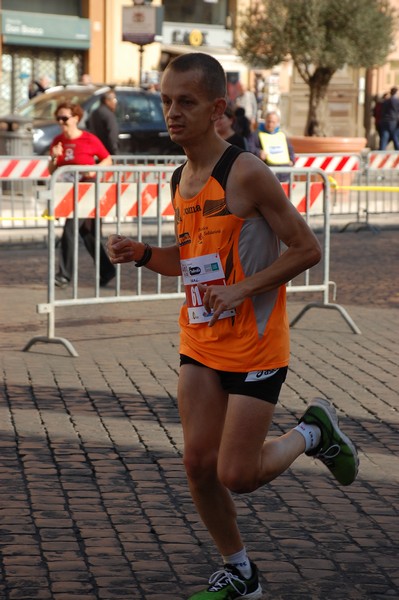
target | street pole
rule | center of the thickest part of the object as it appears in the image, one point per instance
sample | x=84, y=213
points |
x=141, y=52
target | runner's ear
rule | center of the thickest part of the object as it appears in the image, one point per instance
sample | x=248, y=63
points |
x=219, y=106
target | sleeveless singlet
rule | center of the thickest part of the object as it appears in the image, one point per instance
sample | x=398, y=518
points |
x=217, y=247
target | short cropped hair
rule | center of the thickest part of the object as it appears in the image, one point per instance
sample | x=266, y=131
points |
x=212, y=72
x=107, y=96
x=76, y=110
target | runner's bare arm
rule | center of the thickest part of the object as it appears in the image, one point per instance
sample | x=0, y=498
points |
x=123, y=249
x=253, y=190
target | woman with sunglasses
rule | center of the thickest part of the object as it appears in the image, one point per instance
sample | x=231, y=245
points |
x=73, y=146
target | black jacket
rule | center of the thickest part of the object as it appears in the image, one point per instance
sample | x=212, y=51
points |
x=104, y=125
x=390, y=110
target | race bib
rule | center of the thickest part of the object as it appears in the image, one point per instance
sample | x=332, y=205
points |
x=207, y=270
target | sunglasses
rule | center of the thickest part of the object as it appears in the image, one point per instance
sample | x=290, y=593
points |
x=63, y=118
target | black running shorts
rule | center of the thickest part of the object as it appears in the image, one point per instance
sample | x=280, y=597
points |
x=264, y=385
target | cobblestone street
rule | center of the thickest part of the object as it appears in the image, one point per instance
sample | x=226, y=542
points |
x=94, y=502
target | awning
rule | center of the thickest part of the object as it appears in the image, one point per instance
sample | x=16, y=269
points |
x=229, y=60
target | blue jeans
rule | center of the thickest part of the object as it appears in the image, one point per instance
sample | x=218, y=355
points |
x=389, y=131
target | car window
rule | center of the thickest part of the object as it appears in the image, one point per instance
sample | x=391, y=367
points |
x=139, y=108
x=45, y=105
x=92, y=105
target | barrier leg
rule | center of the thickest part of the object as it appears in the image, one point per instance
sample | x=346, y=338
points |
x=50, y=338
x=55, y=340
x=337, y=307
x=365, y=225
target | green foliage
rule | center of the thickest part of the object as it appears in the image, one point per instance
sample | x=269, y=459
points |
x=317, y=33
x=320, y=36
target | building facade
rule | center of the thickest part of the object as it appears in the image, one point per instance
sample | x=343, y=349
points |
x=63, y=39
x=40, y=39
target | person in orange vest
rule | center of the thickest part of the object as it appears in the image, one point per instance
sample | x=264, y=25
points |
x=276, y=149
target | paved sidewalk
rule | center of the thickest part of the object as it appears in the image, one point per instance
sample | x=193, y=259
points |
x=94, y=503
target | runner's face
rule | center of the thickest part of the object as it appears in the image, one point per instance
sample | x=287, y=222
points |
x=188, y=112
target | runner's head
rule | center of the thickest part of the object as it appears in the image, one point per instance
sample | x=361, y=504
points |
x=211, y=73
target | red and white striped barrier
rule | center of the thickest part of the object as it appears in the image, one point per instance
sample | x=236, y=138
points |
x=32, y=168
x=343, y=168
x=108, y=200
x=383, y=160
x=329, y=163
x=24, y=168
x=128, y=201
x=297, y=195
x=36, y=168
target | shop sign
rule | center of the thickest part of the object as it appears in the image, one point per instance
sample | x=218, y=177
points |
x=197, y=35
x=190, y=38
x=53, y=31
x=141, y=24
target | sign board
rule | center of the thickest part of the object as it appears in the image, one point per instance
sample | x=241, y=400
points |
x=34, y=29
x=198, y=35
x=141, y=24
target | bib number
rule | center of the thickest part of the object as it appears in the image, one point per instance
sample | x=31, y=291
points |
x=207, y=270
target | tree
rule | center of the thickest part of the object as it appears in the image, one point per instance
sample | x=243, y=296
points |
x=320, y=36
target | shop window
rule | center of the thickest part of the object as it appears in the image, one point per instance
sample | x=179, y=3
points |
x=22, y=66
x=5, y=84
x=210, y=13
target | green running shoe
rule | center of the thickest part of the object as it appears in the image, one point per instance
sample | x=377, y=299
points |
x=335, y=450
x=228, y=584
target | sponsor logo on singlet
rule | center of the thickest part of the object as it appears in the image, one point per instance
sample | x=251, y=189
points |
x=205, y=231
x=189, y=210
x=184, y=238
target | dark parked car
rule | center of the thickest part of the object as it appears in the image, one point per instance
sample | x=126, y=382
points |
x=142, y=128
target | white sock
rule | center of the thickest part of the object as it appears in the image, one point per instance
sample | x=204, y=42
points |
x=311, y=433
x=240, y=560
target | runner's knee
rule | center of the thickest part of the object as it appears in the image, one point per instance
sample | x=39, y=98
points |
x=200, y=464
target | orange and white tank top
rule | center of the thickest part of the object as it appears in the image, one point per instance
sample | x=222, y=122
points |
x=219, y=248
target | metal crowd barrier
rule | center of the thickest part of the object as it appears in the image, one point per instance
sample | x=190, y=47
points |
x=342, y=169
x=362, y=185
x=21, y=181
x=122, y=192
x=381, y=179
x=25, y=181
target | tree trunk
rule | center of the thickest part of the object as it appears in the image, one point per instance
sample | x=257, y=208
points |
x=318, y=114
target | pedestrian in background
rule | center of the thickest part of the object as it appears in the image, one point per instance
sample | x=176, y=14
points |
x=390, y=120
x=243, y=127
x=377, y=112
x=276, y=149
x=246, y=99
x=230, y=215
x=76, y=147
x=38, y=87
x=225, y=128
x=86, y=80
x=103, y=123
